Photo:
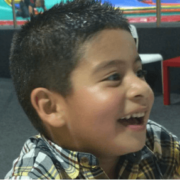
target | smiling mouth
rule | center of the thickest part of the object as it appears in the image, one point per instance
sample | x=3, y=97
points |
x=132, y=121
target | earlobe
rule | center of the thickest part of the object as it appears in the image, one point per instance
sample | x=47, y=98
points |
x=47, y=107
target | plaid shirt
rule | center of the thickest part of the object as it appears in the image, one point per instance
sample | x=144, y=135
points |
x=42, y=159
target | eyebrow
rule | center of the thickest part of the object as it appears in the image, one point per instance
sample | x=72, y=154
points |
x=116, y=62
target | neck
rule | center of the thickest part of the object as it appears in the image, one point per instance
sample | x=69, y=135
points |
x=110, y=166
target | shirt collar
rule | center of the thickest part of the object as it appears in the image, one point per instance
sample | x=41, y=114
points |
x=78, y=160
x=73, y=159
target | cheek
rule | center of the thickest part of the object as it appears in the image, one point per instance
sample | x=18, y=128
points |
x=96, y=104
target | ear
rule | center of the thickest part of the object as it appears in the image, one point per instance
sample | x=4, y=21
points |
x=49, y=106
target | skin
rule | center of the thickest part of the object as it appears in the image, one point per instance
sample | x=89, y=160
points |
x=87, y=119
x=30, y=10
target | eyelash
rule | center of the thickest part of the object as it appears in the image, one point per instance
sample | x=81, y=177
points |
x=141, y=74
x=116, y=75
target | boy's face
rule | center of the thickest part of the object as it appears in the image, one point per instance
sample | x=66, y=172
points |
x=106, y=88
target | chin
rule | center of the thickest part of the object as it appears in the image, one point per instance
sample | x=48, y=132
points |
x=135, y=144
x=131, y=147
x=138, y=145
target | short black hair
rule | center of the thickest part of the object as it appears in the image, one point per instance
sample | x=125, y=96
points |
x=46, y=50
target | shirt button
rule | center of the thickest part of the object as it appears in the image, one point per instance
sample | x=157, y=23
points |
x=84, y=161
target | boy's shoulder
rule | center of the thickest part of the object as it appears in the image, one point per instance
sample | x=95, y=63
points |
x=157, y=132
x=162, y=149
x=38, y=160
x=160, y=140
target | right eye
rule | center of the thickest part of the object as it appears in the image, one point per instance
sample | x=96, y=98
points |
x=141, y=73
x=113, y=77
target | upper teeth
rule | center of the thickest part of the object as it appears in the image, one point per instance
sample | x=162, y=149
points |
x=138, y=115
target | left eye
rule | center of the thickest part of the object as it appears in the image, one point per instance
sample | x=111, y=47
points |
x=113, y=77
x=141, y=73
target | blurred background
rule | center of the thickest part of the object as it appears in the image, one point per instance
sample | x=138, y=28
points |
x=137, y=11
x=157, y=25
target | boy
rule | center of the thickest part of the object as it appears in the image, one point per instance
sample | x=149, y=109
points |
x=79, y=78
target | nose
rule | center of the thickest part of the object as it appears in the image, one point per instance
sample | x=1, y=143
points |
x=138, y=89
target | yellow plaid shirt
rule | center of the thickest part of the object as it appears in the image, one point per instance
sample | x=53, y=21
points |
x=42, y=159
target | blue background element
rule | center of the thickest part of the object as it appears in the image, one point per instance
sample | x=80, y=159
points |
x=128, y=3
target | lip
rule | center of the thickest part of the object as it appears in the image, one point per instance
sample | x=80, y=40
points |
x=136, y=127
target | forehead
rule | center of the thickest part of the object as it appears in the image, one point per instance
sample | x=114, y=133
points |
x=110, y=45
